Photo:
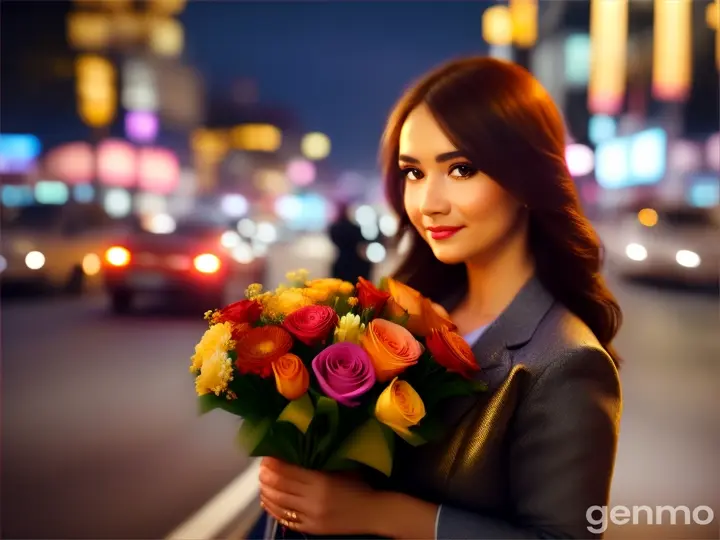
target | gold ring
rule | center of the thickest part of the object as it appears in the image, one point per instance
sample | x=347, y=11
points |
x=291, y=516
x=288, y=524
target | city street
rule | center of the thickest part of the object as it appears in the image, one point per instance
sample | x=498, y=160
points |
x=100, y=433
x=101, y=438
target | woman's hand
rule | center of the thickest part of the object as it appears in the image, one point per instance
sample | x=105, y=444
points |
x=314, y=502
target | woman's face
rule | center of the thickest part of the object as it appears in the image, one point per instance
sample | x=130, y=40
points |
x=460, y=212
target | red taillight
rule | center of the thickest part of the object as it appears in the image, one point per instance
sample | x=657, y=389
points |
x=207, y=263
x=117, y=256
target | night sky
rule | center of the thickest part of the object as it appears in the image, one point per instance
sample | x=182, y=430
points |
x=339, y=66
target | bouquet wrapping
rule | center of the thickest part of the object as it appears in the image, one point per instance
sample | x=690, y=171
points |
x=330, y=375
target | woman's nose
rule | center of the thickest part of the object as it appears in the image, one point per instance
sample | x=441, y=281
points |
x=434, y=198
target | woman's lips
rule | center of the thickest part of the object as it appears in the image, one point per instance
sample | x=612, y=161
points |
x=442, y=233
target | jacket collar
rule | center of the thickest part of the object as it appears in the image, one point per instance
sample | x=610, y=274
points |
x=513, y=329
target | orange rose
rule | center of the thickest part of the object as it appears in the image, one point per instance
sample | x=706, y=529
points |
x=452, y=352
x=259, y=347
x=432, y=317
x=392, y=348
x=423, y=315
x=406, y=297
x=291, y=376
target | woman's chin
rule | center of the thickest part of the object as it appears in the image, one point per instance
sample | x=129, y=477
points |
x=449, y=256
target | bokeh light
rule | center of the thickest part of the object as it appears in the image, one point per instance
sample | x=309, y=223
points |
x=375, y=252
x=315, y=146
x=301, y=172
x=141, y=126
x=648, y=217
x=234, y=205
x=91, y=264
x=117, y=202
x=580, y=159
x=35, y=260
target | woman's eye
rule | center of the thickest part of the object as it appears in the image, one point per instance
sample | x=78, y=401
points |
x=462, y=171
x=412, y=174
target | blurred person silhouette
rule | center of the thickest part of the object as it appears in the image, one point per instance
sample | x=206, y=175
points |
x=474, y=164
x=349, y=261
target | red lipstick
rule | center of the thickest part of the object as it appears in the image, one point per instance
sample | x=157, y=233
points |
x=442, y=233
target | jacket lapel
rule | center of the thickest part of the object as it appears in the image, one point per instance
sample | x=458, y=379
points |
x=513, y=329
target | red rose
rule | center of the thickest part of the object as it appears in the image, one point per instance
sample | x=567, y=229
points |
x=239, y=330
x=452, y=352
x=311, y=324
x=244, y=311
x=370, y=297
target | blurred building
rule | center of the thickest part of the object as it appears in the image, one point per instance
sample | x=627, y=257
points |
x=651, y=111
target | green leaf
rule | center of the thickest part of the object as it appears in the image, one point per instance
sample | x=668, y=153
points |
x=322, y=432
x=209, y=402
x=430, y=429
x=411, y=437
x=328, y=407
x=299, y=413
x=371, y=444
x=458, y=387
x=256, y=398
x=367, y=315
x=252, y=433
x=479, y=386
x=282, y=441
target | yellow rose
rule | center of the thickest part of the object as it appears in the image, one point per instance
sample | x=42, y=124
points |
x=291, y=376
x=330, y=284
x=215, y=374
x=346, y=288
x=316, y=295
x=285, y=302
x=400, y=407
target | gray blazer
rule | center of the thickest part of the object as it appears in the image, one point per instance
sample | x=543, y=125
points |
x=531, y=456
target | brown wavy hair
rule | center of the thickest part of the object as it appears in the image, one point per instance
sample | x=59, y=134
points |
x=507, y=125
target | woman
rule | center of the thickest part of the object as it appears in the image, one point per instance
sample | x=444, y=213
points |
x=474, y=161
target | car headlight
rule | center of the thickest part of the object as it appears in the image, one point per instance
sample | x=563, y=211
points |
x=688, y=259
x=636, y=252
x=35, y=260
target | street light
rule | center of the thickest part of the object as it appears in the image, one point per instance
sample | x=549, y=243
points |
x=97, y=97
x=88, y=31
x=608, y=55
x=167, y=37
x=712, y=17
x=672, y=50
x=524, y=15
x=497, y=26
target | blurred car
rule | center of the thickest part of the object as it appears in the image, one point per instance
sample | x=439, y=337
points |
x=54, y=246
x=196, y=262
x=677, y=243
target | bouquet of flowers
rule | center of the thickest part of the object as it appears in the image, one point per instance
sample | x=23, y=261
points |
x=327, y=374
